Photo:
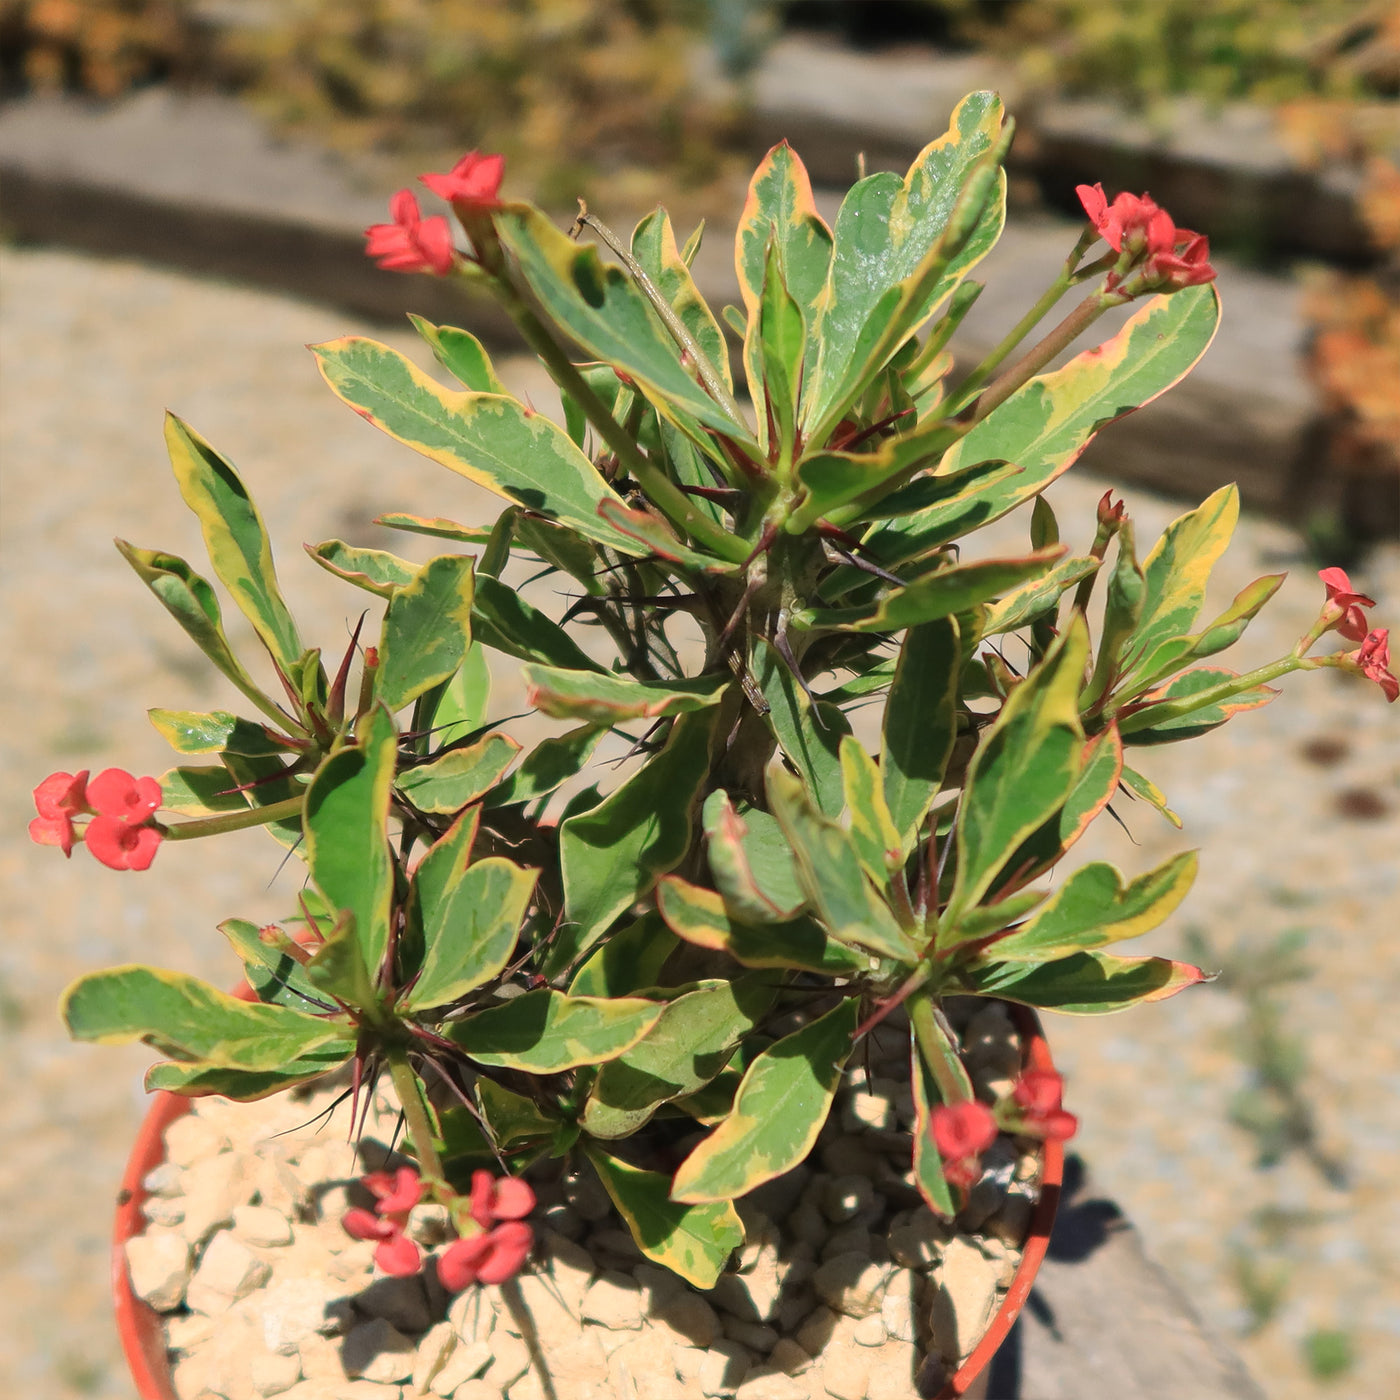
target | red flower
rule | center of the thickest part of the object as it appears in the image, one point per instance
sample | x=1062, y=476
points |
x=411, y=243
x=59, y=798
x=1184, y=263
x=962, y=1129
x=510, y=1198
x=1346, y=603
x=1373, y=656
x=395, y=1195
x=1137, y=224
x=121, y=835
x=1039, y=1092
x=471, y=186
x=490, y=1258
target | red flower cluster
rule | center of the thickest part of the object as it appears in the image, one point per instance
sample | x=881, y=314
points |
x=411, y=243
x=395, y=1195
x=1373, y=656
x=1344, y=604
x=499, y=1207
x=472, y=185
x=962, y=1132
x=497, y=1254
x=1038, y=1093
x=1165, y=258
x=121, y=833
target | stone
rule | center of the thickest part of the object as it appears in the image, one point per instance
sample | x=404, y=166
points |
x=849, y=1156
x=614, y=1301
x=261, y=1225
x=892, y=1375
x=1012, y=1223
x=897, y=1310
x=271, y=1374
x=788, y=1356
x=187, y=1330
x=228, y=1271
x=963, y=1300
x=852, y=1200
x=808, y=1225
x=757, y=1336
x=377, y=1351
x=845, y=1372
x=658, y=1284
x=321, y=1359
x=584, y=1192
x=870, y=1331
x=228, y=1357
x=189, y=1139
x=167, y=1211
x=816, y=1331
x=642, y=1368
x=278, y=1187
x=990, y=1046
x=476, y=1390
x=466, y=1361
x=767, y=1384
x=775, y=1198
x=851, y=1240
x=616, y=1244
x=725, y=1366
x=214, y=1188
x=297, y=1308
x=160, y=1265
x=864, y=1112
x=691, y=1317
x=399, y=1301
x=471, y=1315
x=510, y=1359
x=572, y=1268
x=1006, y=1259
x=434, y=1347
x=916, y=1238
x=165, y=1179
x=583, y=1359
x=852, y=1284
x=564, y=1220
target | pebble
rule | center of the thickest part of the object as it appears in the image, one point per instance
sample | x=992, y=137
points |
x=160, y=1264
x=400, y=1301
x=467, y=1360
x=190, y=1139
x=377, y=1351
x=614, y=1301
x=851, y=1283
x=271, y=1374
x=261, y=1225
x=963, y=1299
x=228, y=1271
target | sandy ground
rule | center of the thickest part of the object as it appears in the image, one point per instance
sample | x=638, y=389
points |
x=94, y=351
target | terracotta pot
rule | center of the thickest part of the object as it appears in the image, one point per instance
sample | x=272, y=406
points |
x=142, y=1331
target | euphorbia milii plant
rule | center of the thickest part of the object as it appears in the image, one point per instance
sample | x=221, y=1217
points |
x=547, y=953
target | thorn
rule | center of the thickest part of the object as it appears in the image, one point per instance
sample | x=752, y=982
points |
x=866, y=567
x=780, y=644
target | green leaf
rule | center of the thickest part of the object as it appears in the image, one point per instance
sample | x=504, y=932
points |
x=461, y=354
x=659, y=540
x=1179, y=567
x=1086, y=984
x=1092, y=909
x=775, y=346
x=187, y=731
x=460, y=708
x=546, y=1032
x=1025, y=604
x=780, y=1108
x=191, y=601
x=751, y=862
x=983, y=920
x=920, y=725
x=1122, y=611
x=338, y=967
x=809, y=735
x=240, y=1085
x=829, y=869
x=273, y=976
x=691, y=1042
x=488, y=438
x=187, y=1019
x=700, y=917
x=1146, y=789
x=427, y=630
x=891, y=266
x=459, y=777
x=1045, y=425
x=1182, y=709
x=873, y=832
x=1024, y=769
x=927, y=1161
x=942, y=593
x=654, y=247
x=375, y=570
x=780, y=210
x=512, y=1118
x=548, y=765
x=603, y=310
x=470, y=916
x=200, y=791
x=604, y=699
x=265, y=781
x=611, y=855
x=347, y=838
x=629, y=960
x=434, y=525
x=234, y=536
x=692, y=1241
x=504, y=621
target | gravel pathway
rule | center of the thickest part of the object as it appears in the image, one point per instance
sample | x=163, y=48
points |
x=1295, y=806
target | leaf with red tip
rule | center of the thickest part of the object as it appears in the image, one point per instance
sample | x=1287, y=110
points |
x=1085, y=984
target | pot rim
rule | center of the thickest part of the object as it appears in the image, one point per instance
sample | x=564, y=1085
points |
x=141, y=1330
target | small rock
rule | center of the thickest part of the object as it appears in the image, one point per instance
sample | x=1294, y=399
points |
x=642, y=1367
x=377, y=1351
x=510, y=1359
x=585, y=1193
x=796, y=1304
x=964, y=1300
x=852, y=1284
x=657, y=1283
x=399, y=1301
x=166, y=1179
x=691, y=1317
x=551, y=1316
x=916, y=1238
x=870, y=1331
x=277, y=1184
x=849, y=1156
x=614, y=1301
x=851, y=1240
x=892, y=1375
x=271, y=1374
x=990, y=1046
x=617, y=1243
x=297, y=1308
x=845, y=1372
x=471, y=1315
x=564, y=1220
x=189, y=1139
x=725, y=1366
x=775, y=1198
x=768, y=1384
x=1006, y=1259
x=816, y=1331
x=897, y=1308
x=163, y=1210
x=1012, y=1223
x=467, y=1360
x=261, y=1225
x=808, y=1225
x=186, y=1330
x=789, y=1357
x=852, y=1199
x=160, y=1266
x=476, y=1390
x=866, y=1112
x=214, y=1188
x=228, y=1271
x=757, y=1336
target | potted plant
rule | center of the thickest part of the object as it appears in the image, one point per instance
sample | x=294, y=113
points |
x=656, y=974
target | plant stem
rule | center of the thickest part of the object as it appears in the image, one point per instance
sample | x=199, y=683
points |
x=235, y=821
x=1159, y=713
x=420, y=1131
x=938, y=1051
